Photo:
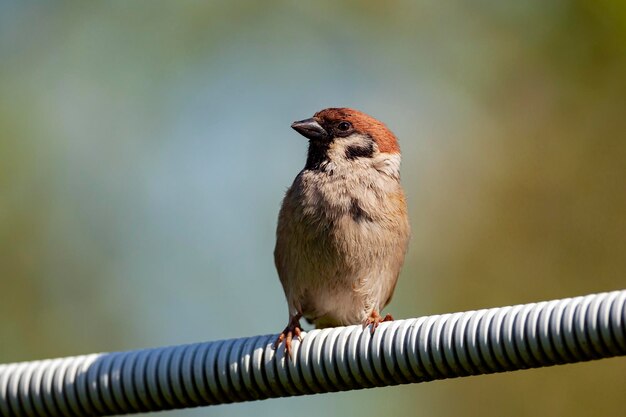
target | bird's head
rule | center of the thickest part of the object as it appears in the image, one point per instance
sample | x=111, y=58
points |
x=344, y=134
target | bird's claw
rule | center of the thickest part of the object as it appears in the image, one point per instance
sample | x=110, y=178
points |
x=292, y=329
x=375, y=319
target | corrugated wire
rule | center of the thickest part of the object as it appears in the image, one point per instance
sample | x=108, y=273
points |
x=338, y=359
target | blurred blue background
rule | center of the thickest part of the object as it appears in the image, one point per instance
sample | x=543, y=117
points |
x=145, y=148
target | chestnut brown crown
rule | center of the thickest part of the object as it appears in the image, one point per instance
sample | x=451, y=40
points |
x=334, y=122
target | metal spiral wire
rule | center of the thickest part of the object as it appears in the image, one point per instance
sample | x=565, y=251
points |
x=338, y=359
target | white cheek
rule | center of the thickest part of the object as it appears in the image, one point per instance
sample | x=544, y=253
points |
x=385, y=163
x=337, y=151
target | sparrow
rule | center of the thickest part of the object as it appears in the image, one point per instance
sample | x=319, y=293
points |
x=343, y=228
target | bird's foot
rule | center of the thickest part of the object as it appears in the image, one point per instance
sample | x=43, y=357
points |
x=292, y=329
x=375, y=319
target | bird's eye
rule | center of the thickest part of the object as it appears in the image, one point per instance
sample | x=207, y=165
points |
x=343, y=126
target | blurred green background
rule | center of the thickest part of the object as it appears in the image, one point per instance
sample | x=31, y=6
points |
x=145, y=147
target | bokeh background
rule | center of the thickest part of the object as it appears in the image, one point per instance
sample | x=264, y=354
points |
x=145, y=147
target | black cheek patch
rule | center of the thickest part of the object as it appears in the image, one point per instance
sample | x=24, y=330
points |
x=360, y=151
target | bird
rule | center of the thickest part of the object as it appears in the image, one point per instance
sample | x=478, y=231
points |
x=343, y=227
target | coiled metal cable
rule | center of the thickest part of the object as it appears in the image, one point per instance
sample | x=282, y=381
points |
x=339, y=359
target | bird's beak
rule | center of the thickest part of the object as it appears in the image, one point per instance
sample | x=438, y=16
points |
x=310, y=129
